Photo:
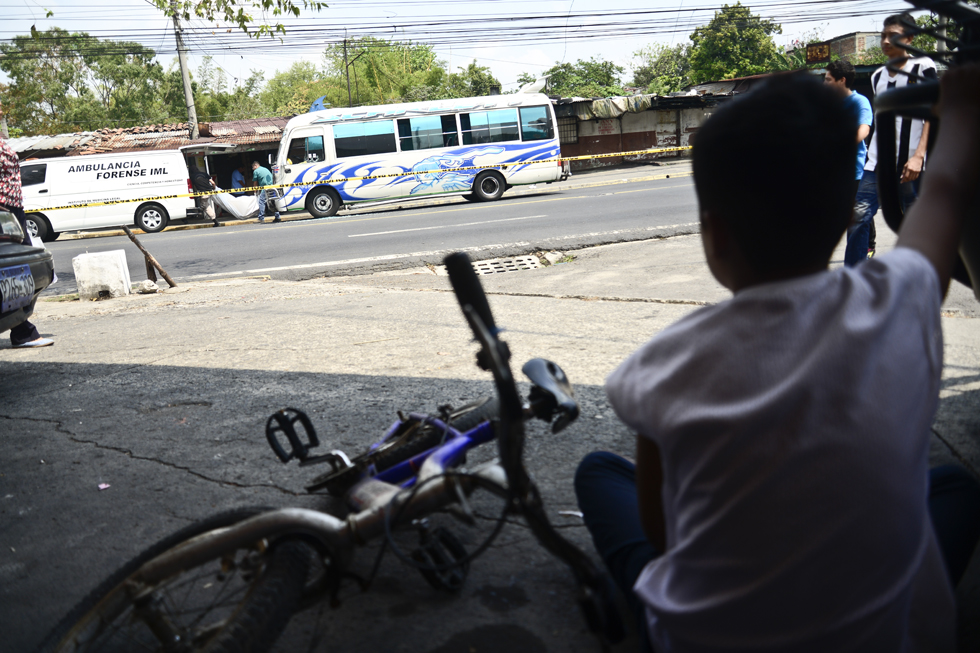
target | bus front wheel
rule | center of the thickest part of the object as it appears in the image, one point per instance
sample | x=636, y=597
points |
x=489, y=186
x=322, y=202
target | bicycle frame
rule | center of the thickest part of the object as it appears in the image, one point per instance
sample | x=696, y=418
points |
x=447, y=455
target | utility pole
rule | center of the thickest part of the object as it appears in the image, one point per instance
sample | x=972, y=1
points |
x=350, y=102
x=182, y=57
x=941, y=41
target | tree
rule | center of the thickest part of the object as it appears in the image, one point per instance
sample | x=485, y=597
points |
x=663, y=69
x=236, y=12
x=69, y=81
x=472, y=81
x=592, y=78
x=382, y=72
x=793, y=56
x=215, y=102
x=293, y=90
x=735, y=43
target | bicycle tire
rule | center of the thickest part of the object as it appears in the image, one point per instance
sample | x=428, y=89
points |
x=256, y=621
x=487, y=410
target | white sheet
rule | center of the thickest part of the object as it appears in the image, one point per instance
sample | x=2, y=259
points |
x=241, y=208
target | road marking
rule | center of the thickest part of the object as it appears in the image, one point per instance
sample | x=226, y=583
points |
x=439, y=252
x=447, y=226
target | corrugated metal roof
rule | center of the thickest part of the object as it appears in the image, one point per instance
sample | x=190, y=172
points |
x=170, y=136
x=58, y=145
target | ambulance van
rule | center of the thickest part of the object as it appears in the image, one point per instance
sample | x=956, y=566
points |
x=150, y=181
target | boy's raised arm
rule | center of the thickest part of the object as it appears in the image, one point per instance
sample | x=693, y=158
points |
x=949, y=189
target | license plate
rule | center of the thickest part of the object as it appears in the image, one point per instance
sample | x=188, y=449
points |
x=16, y=287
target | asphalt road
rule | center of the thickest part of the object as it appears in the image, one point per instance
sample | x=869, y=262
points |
x=378, y=239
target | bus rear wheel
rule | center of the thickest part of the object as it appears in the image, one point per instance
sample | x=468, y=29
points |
x=322, y=202
x=489, y=186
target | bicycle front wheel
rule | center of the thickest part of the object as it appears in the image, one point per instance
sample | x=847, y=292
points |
x=240, y=601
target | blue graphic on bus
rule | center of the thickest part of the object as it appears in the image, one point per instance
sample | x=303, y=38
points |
x=428, y=176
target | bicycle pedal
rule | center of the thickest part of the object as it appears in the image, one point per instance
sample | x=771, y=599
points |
x=444, y=558
x=284, y=422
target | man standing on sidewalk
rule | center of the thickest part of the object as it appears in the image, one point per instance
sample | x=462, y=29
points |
x=911, y=136
x=263, y=177
x=840, y=75
x=12, y=200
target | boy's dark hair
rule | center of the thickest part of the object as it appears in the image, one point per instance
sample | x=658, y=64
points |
x=842, y=69
x=777, y=166
x=900, y=20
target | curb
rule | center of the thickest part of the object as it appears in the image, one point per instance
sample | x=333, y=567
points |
x=434, y=202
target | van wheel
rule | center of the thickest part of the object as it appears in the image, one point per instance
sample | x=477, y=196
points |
x=152, y=218
x=489, y=186
x=39, y=228
x=323, y=202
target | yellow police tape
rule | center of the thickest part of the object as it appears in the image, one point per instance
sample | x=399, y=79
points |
x=340, y=180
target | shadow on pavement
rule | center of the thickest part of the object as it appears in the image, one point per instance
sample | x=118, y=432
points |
x=177, y=444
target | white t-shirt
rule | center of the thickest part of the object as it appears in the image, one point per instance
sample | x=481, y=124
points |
x=793, y=424
x=908, y=131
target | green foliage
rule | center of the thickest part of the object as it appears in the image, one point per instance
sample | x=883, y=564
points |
x=592, y=78
x=294, y=90
x=238, y=13
x=870, y=57
x=793, y=56
x=663, y=69
x=63, y=81
x=471, y=81
x=216, y=102
x=735, y=43
x=382, y=72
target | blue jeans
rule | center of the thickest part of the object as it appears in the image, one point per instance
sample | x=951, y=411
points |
x=263, y=198
x=605, y=485
x=865, y=206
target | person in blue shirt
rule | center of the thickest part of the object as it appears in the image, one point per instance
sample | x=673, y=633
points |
x=262, y=177
x=840, y=75
x=238, y=179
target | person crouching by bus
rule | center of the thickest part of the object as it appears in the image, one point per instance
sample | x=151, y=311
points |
x=263, y=177
x=203, y=183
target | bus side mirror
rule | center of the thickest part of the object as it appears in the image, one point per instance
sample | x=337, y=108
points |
x=270, y=159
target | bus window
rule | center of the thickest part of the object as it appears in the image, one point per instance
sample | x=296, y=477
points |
x=536, y=124
x=364, y=138
x=427, y=132
x=489, y=126
x=308, y=150
x=33, y=174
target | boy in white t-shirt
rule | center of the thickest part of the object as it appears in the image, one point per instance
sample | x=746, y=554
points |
x=781, y=498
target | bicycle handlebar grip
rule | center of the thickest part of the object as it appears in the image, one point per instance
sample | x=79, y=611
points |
x=467, y=287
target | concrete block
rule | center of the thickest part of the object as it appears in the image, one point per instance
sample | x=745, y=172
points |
x=101, y=273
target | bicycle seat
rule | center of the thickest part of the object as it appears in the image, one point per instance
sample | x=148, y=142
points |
x=551, y=393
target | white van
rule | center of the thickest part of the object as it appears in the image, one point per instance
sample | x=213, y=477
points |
x=106, y=178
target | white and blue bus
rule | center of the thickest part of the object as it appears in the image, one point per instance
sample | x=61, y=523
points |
x=509, y=140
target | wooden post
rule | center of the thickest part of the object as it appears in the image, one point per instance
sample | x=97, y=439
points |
x=149, y=259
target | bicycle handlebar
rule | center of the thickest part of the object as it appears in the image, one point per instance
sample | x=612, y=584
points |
x=596, y=599
x=466, y=286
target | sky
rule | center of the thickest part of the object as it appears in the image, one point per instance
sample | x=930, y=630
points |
x=508, y=36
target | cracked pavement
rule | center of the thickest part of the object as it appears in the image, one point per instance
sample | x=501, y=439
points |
x=165, y=397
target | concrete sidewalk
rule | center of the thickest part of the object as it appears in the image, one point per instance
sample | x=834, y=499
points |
x=586, y=179
x=164, y=397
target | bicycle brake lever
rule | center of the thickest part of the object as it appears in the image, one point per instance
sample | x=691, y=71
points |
x=283, y=421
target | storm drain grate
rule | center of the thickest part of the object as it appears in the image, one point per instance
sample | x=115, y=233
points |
x=501, y=265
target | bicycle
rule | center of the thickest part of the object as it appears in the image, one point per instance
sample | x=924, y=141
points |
x=244, y=573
